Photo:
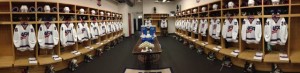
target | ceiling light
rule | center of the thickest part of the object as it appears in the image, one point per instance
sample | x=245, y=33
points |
x=168, y=1
x=156, y=1
x=164, y=0
x=139, y=0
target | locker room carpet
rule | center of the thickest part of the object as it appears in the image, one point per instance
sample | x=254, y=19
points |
x=175, y=55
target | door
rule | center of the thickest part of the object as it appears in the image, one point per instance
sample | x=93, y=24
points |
x=129, y=24
x=140, y=23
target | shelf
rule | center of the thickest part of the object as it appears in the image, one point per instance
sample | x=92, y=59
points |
x=94, y=15
x=214, y=10
x=6, y=61
x=66, y=13
x=247, y=7
x=4, y=12
x=211, y=46
x=46, y=59
x=23, y=12
x=295, y=57
x=47, y=12
x=29, y=22
x=231, y=8
x=295, y=4
x=84, y=50
x=248, y=55
x=255, y=16
x=273, y=57
x=23, y=62
x=67, y=55
x=295, y=15
x=203, y=12
x=227, y=51
x=280, y=5
x=83, y=14
x=5, y=22
x=281, y=15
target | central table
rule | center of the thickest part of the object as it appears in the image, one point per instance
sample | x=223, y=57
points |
x=148, y=58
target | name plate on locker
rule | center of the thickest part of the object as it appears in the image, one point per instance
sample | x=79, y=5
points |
x=283, y=57
x=32, y=60
x=216, y=48
x=235, y=52
x=56, y=57
x=258, y=56
x=76, y=52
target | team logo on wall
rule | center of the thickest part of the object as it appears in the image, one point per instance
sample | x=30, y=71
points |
x=197, y=1
x=99, y=2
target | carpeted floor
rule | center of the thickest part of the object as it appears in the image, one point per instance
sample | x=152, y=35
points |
x=175, y=55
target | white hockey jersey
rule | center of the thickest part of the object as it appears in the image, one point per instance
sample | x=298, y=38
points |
x=276, y=31
x=164, y=24
x=24, y=37
x=182, y=26
x=215, y=28
x=189, y=25
x=95, y=31
x=195, y=26
x=117, y=26
x=203, y=27
x=251, y=31
x=176, y=24
x=121, y=26
x=68, y=35
x=83, y=32
x=108, y=27
x=114, y=26
x=48, y=36
x=230, y=30
x=102, y=28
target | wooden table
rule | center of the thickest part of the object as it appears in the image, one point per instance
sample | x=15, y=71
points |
x=148, y=58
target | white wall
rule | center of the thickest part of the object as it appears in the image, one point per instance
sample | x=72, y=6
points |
x=148, y=6
x=106, y=4
x=124, y=8
x=186, y=4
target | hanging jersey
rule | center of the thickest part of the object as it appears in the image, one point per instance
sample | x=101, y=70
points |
x=117, y=26
x=189, y=26
x=164, y=24
x=177, y=24
x=183, y=24
x=68, y=35
x=230, y=30
x=24, y=37
x=121, y=26
x=114, y=26
x=48, y=36
x=215, y=28
x=95, y=31
x=195, y=26
x=108, y=27
x=276, y=31
x=83, y=32
x=203, y=27
x=251, y=31
x=102, y=28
